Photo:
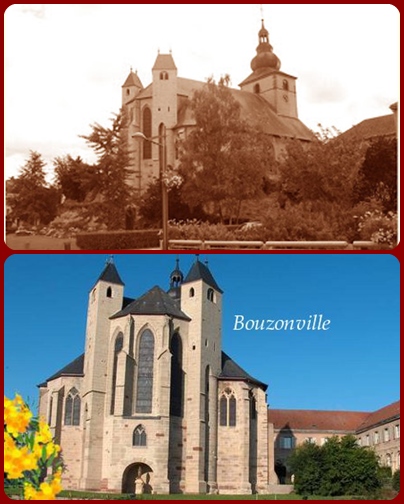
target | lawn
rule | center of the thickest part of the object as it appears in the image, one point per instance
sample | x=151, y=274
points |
x=38, y=242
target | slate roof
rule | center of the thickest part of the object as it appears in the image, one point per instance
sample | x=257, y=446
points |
x=110, y=274
x=154, y=302
x=74, y=368
x=315, y=420
x=200, y=271
x=232, y=371
x=382, y=415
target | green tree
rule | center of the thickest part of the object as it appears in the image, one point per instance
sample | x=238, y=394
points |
x=111, y=171
x=31, y=199
x=339, y=467
x=377, y=178
x=396, y=481
x=224, y=159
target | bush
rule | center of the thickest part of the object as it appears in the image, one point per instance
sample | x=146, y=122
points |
x=396, y=481
x=119, y=240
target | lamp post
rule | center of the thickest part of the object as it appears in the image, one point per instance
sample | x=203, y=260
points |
x=163, y=170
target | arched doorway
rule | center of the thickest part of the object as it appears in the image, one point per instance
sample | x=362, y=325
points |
x=137, y=471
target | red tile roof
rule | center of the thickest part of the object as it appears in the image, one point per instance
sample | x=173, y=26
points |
x=314, y=420
x=344, y=421
x=382, y=415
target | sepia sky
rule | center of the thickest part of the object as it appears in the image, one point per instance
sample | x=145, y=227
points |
x=354, y=365
x=65, y=64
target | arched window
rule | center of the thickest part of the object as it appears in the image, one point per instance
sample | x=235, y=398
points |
x=147, y=132
x=109, y=292
x=211, y=295
x=285, y=85
x=388, y=460
x=127, y=92
x=191, y=292
x=257, y=89
x=139, y=436
x=177, y=377
x=72, y=407
x=163, y=75
x=117, y=349
x=144, y=392
x=227, y=408
x=50, y=411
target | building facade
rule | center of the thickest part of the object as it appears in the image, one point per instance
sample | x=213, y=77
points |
x=267, y=98
x=154, y=405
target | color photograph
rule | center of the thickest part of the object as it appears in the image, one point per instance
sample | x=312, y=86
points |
x=209, y=374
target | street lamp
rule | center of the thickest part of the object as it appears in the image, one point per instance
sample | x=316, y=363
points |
x=163, y=171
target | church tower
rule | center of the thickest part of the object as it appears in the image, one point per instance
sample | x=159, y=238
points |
x=105, y=299
x=267, y=80
x=131, y=87
x=201, y=300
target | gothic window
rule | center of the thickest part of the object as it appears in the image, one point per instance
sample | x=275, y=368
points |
x=109, y=292
x=144, y=393
x=163, y=76
x=177, y=377
x=191, y=292
x=257, y=89
x=72, y=407
x=211, y=295
x=227, y=408
x=139, y=436
x=285, y=85
x=117, y=348
x=147, y=132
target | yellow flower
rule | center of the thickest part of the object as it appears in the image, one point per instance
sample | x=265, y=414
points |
x=17, y=460
x=44, y=434
x=17, y=415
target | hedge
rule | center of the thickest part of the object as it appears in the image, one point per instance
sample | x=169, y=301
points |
x=119, y=240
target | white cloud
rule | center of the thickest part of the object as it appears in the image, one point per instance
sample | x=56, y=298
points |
x=65, y=64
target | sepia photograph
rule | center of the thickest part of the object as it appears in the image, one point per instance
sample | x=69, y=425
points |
x=200, y=126
x=210, y=376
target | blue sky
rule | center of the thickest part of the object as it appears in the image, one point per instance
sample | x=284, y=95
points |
x=355, y=364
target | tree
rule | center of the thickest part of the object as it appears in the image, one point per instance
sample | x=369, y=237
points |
x=224, y=159
x=30, y=198
x=75, y=178
x=339, y=467
x=150, y=206
x=111, y=171
x=377, y=176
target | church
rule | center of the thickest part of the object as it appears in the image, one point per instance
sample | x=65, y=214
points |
x=161, y=110
x=154, y=405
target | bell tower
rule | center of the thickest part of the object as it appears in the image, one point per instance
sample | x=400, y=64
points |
x=268, y=81
x=201, y=300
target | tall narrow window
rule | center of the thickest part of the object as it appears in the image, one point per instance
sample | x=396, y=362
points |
x=211, y=295
x=139, y=436
x=227, y=408
x=109, y=292
x=72, y=407
x=117, y=348
x=144, y=393
x=285, y=85
x=177, y=377
x=50, y=411
x=147, y=131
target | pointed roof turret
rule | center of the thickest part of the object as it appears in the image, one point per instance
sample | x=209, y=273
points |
x=110, y=273
x=133, y=80
x=200, y=271
x=164, y=62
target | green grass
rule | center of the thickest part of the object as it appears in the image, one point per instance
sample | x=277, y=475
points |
x=38, y=242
